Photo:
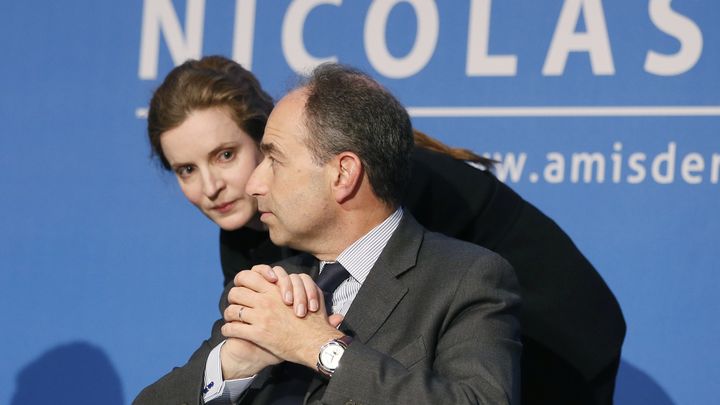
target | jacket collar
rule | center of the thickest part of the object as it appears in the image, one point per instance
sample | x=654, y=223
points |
x=383, y=290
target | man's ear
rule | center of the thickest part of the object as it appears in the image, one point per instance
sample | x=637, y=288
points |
x=347, y=176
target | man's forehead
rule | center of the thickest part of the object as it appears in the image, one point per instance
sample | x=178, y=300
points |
x=280, y=137
x=291, y=108
x=286, y=122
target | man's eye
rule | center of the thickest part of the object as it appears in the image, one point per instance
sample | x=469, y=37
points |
x=269, y=160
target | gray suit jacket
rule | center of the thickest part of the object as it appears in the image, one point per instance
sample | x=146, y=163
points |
x=435, y=322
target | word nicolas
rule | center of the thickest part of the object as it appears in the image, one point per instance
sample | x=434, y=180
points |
x=160, y=19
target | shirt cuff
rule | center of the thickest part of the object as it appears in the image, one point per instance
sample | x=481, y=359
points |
x=215, y=387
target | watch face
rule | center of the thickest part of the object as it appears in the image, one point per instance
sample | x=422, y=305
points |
x=330, y=356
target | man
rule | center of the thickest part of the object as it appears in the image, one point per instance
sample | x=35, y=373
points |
x=428, y=319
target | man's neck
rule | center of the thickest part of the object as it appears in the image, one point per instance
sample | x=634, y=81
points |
x=350, y=227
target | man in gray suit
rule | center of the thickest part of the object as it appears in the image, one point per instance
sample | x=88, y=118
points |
x=427, y=319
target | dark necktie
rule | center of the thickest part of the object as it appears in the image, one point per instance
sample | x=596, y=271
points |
x=332, y=275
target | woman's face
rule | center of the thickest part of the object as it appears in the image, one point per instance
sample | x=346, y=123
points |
x=212, y=159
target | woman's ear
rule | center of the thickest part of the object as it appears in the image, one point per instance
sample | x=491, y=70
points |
x=348, y=176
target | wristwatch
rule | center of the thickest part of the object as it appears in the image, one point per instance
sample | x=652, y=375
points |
x=330, y=354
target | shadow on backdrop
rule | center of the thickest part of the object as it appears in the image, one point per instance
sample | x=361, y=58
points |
x=75, y=373
x=635, y=387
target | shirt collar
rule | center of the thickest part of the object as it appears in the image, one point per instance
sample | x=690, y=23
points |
x=361, y=255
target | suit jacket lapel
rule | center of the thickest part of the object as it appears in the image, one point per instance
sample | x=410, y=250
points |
x=381, y=291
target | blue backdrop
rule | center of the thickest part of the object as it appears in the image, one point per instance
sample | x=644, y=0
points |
x=605, y=114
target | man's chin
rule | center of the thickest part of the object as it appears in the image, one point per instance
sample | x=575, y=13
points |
x=275, y=237
x=278, y=238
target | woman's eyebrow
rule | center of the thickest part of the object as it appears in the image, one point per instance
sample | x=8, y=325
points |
x=226, y=145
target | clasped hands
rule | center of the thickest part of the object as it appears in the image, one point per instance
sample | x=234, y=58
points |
x=272, y=317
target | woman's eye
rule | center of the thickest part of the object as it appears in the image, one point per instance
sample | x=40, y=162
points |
x=184, y=171
x=227, y=155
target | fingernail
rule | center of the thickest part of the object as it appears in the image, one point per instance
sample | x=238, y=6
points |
x=300, y=310
x=288, y=297
x=271, y=273
x=313, y=305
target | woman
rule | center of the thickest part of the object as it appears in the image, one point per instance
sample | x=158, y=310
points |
x=204, y=124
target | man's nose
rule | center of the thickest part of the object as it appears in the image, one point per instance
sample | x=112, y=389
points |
x=257, y=183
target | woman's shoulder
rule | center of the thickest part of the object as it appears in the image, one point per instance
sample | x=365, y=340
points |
x=447, y=194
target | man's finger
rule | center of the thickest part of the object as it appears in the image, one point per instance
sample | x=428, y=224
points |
x=241, y=296
x=299, y=296
x=253, y=280
x=285, y=285
x=236, y=330
x=335, y=320
x=266, y=271
x=310, y=292
x=258, y=268
x=236, y=313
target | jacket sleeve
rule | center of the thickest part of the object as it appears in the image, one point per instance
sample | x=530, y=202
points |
x=183, y=385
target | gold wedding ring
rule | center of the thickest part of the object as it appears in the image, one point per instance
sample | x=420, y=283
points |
x=240, y=314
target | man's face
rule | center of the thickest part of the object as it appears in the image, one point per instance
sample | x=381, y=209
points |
x=293, y=193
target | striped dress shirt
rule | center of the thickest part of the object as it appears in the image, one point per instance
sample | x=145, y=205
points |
x=359, y=258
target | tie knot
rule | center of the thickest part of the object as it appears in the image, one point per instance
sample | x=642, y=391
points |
x=332, y=275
